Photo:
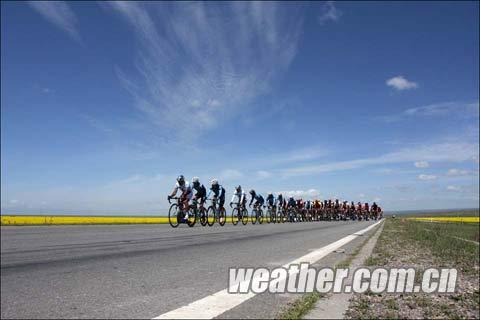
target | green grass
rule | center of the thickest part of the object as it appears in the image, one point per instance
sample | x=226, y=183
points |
x=440, y=239
x=301, y=306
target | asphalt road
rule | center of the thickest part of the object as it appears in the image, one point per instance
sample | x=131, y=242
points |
x=143, y=271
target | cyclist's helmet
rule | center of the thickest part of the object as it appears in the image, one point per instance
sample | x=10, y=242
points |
x=238, y=188
x=214, y=182
x=252, y=192
x=195, y=181
x=181, y=180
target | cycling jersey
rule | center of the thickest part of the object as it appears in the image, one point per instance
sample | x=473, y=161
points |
x=308, y=205
x=240, y=195
x=271, y=200
x=300, y=204
x=258, y=199
x=201, y=192
x=186, y=189
x=280, y=200
x=292, y=203
x=218, y=191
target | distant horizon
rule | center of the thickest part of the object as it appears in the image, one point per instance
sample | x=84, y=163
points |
x=166, y=213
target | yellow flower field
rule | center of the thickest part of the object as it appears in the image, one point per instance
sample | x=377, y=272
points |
x=449, y=219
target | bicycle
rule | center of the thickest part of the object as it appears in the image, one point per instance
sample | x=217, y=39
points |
x=177, y=214
x=270, y=214
x=201, y=212
x=214, y=214
x=257, y=214
x=239, y=213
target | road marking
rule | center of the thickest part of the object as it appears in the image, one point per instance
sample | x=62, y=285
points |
x=222, y=301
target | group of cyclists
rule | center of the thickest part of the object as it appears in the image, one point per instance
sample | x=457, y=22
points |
x=190, y=206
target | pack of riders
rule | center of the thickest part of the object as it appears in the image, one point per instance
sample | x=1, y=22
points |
x=327, y=209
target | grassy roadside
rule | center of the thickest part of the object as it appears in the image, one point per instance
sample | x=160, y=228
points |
x=301, y=306
x=409, y=243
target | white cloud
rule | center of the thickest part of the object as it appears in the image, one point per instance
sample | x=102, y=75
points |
x=457, y=172
x=444, y=109
x=329, y=13
x=400, y=83
x=453, y=188
x=189, y=71
x=427, y=177
x=421, y=164
x=59, y=14
x=230, y=174
x=262, y=174
x=441, y=152
x=304, y=194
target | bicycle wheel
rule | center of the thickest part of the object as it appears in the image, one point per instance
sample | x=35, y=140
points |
x=211, y=215
x=221, y=217
x=273, y=217
x=191, y=218
x=260, y=216
x=173, y=215
x=244, y=216
x=235, y=216
x=203, y=217
x=253, y=216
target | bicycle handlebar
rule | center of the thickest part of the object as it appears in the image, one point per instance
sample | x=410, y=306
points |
x=170, y=198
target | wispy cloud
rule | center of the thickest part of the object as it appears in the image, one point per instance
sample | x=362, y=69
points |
x=421, y=164
x=457, y=172
x=453, y=188
x=230, y=174
x=426, y=177
x=97, y=124
x=451, y=109
x=446, y=152
x=400, y=83
x=59, y=14
x=190, y=72
x=329, y=13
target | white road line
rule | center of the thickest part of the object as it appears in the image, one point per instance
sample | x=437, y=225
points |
x=222, y=301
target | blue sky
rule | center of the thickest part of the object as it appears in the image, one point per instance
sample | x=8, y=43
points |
x=104, y=104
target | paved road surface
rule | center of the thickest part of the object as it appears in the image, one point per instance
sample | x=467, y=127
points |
x=143, y=271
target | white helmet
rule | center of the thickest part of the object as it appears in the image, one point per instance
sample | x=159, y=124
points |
x=195, y=179
x=214, y=182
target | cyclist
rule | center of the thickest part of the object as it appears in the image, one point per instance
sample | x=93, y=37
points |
x=367, y=210
x=270, y=200
x=291, y=203
x=280, y=200
x=200, y=191
x=186, y=190
x=257, y=197
x=218, y=193
x=240, y=195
